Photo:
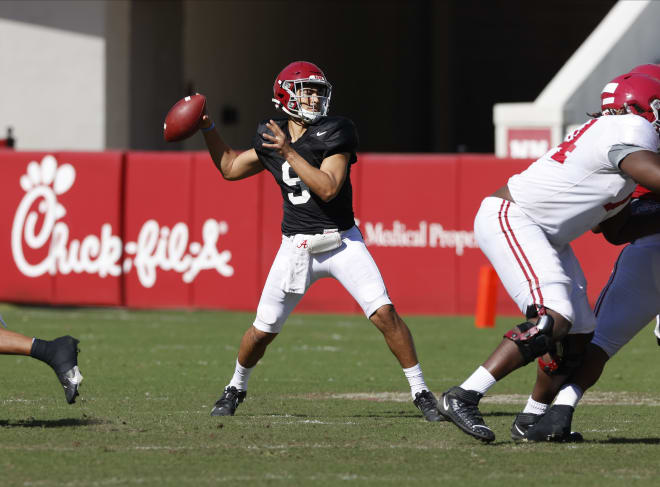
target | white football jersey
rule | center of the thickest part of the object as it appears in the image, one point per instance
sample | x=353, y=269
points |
x=575, y=185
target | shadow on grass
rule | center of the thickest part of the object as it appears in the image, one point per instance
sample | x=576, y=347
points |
x=50, y=423
x=495, y=414
x=626, y=441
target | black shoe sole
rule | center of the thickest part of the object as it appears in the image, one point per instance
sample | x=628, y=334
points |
x=572, y=437
x=460, y=426
x=219, y=412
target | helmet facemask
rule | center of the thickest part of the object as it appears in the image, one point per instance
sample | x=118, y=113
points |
x=652, y=115
x=655, y=108
x=309, y=99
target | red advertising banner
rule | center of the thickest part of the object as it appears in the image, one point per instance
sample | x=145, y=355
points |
x=89, y=267
x=226, y=221
x=164, y=229
x=408, y=218
x=54, y=251
x=157, y=216
x=30, y=210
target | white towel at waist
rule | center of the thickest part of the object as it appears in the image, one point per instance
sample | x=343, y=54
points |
x=296, y=277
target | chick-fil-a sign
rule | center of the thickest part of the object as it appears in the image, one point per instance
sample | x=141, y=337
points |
x=37, y=225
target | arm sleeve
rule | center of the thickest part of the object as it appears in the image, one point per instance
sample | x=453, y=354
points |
x=618, y=152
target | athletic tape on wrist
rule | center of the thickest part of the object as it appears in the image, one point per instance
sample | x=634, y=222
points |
x=212, y=126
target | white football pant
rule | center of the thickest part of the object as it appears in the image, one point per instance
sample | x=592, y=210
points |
x=351, y=264
x=532, y=270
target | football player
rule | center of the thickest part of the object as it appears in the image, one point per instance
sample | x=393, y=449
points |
x=632, y=282
x=627, y=303
x=525, y=229
x=61, y=354
x=310, y=154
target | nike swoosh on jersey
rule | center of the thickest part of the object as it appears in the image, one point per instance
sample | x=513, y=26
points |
x=319, y=134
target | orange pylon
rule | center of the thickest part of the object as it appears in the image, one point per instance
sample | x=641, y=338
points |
x=486, y=297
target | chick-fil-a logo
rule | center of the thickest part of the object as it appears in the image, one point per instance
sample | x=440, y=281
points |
x=157, y=247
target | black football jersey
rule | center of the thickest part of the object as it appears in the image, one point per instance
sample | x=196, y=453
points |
x=304, y=212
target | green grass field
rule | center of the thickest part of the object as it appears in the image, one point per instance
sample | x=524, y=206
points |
x=328, y=405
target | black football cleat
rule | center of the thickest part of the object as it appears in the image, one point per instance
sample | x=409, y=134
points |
x=524, y=421
x=555, y=426
x=461, y=407
x=65, y=364
x=426, y=402
x=228, y=402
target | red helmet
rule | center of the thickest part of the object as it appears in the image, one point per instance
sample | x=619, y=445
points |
x=652, y=70
x=301, y=79
x=635, y=93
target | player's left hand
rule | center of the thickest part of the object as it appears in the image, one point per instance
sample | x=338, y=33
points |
x=278, y=140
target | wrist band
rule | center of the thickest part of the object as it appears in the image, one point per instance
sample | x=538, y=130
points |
x=212, y=126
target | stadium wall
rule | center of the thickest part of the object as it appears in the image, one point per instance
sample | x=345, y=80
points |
x=164, y=230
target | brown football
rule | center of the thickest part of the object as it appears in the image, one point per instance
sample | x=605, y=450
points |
x=183, y=118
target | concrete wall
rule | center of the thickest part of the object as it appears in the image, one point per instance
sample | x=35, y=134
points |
x=118, y=74
x=638, y=45
x=52, y=74
x=415, y=76
x=625, y=38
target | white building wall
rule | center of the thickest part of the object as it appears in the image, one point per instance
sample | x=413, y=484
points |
x=52, y=85
x=625, y=38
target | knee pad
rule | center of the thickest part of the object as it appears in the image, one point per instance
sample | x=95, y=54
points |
x=565, y=359
x=533, y=340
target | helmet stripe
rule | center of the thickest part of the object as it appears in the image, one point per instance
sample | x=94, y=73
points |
x=610, y=88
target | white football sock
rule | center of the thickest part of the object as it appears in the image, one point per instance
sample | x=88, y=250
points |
x=415, y=379
x=569, y=395
x=241, y=376
x=535, y=407
x=481, y=380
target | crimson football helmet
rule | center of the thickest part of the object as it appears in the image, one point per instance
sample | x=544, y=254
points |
x=301, y=91
x=635, y=93
x=652, y=70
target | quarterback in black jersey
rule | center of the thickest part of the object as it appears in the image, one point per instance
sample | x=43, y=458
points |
x=310, y=156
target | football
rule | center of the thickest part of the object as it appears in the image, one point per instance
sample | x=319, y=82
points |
x=183, y=118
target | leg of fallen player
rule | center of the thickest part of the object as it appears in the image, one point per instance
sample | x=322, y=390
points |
x=60, y=354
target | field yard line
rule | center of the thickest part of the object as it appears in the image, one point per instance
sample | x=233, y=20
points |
x=591, y=398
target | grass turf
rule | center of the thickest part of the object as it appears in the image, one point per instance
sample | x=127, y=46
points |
x=327, y=405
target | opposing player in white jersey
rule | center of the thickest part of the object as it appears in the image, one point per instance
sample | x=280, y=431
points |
x=310, y=155
x=627, y=303
x=525, y=229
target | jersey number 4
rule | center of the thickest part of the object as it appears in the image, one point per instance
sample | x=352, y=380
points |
x=569, y=144
x=300, y=193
